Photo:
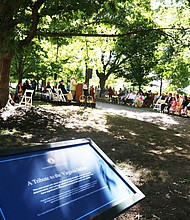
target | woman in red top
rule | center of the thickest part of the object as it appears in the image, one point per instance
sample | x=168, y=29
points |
x=110, y=93
x=92, y=91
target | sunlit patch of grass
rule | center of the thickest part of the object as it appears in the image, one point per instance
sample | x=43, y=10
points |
x=153, y=175
x=120, y=137
x=10, y=141
x=129, y=170
x=169, y=151
x=133, y=133
x=83, y=119
x=178, y=135
x=163, y=128
x=9, y=132
x=4, y=131
x=153, y=143
x=27, y=136
x=158, y=152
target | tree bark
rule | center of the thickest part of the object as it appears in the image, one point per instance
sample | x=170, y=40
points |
x=5, y=63
x=161, y=86
x=102, y=78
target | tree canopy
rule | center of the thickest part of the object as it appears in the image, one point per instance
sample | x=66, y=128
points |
x=145, y=38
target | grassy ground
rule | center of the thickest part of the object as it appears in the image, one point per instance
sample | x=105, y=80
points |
x=154, y=154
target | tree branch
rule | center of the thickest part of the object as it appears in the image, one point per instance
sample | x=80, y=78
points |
x=138, y=31
x=35, y=20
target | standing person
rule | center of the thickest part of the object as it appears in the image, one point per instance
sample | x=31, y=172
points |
x=68, y=85
x=96, y=92
x=26, y=85
x=85, y=89
x=92, y=91
x=19, y=92
x=73, y=86
x=33, y=85
x=110, y=93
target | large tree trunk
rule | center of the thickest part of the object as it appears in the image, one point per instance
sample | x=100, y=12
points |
x=102, y=84
x=102, y=78
x=5, y=63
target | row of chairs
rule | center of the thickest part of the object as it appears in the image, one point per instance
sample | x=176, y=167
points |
x=57, y=96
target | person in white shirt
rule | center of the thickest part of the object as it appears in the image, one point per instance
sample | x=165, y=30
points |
x=73, y=85
x=130, y=98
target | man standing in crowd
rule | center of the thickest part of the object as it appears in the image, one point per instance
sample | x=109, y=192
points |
x=73, y=85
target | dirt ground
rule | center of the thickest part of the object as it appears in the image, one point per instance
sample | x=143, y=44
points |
x=152, y=149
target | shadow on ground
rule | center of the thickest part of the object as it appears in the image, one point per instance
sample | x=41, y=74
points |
x=154, y=157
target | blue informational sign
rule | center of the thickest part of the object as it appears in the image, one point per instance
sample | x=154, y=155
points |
x=63, y=181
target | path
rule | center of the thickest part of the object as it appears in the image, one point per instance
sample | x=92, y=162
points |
x=165, y=121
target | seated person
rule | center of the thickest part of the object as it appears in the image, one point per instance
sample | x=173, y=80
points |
x=156, y=97
x=124, y=97
x=54, y=88
x=64, y=91
x=162, y=101
x=173, y=105
x=131, y=98
x=120, y=95
x=62, y=87
x=187, y=108
x=139, y=100
x=148, y=100
x=167, y=103
x=179, y=101
x=184, y=106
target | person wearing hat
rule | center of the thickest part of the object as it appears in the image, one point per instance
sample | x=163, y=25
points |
x=73, y=85
x=62, y=87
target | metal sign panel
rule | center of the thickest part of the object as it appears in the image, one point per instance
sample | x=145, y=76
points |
x=66, y=180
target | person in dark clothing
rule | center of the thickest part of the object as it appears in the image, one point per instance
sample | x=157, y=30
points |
x=167, y=103
x=48, y=85
x=19, y=92
x=62, y=87
x=162, y=98
x=183, y=108
x=26, y=85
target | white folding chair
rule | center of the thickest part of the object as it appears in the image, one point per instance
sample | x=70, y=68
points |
x=58, y=96
x=27, y=97
x=49, y=93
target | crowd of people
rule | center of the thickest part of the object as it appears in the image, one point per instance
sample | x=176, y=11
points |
x=169, y=103
x=68, y=90
x=130, y=97
x=173, y=103
x=21, y=88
